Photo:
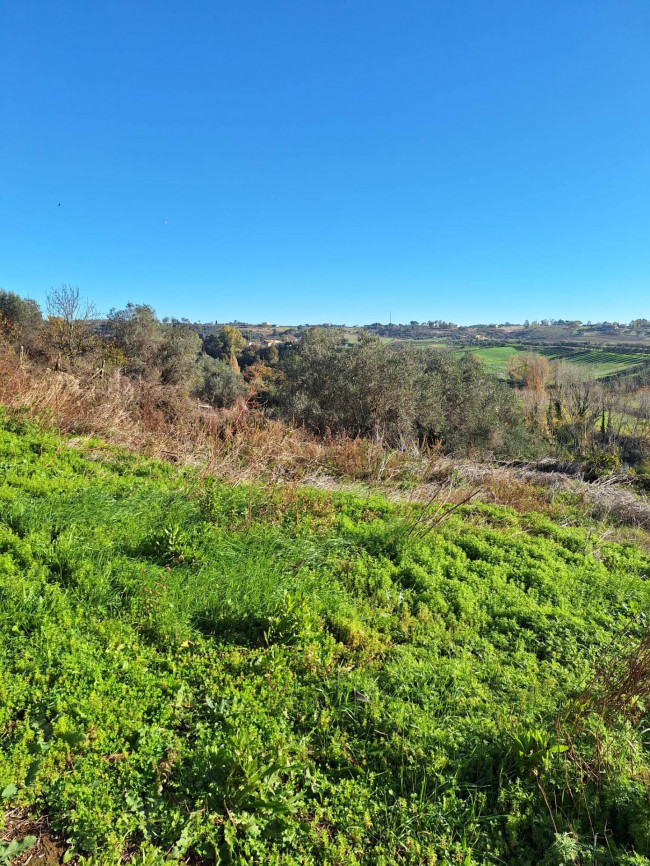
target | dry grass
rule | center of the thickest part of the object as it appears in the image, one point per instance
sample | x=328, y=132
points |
x=622, y=683
x=243, y=444
x=619, y=690
x=163, y=422
x=240, y=443
x=46, y=850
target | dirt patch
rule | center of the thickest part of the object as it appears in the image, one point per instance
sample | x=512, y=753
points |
x=47, y=849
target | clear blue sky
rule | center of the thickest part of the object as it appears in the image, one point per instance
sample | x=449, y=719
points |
x=307, y=161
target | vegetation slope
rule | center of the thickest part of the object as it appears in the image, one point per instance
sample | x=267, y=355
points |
x=191, y=671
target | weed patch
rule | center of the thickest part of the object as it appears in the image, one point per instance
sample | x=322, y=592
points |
x=195, y=671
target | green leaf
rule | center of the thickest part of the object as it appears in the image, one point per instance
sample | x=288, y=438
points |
x=9, y=792
x=16, y=847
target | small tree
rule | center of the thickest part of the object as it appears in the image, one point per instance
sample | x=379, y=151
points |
x=529, y=369
x=22, y=319
x=69, y=331
x=138, y=334
x=218, y=383
x=178, y=353
x=225, y=345
x=575, y=407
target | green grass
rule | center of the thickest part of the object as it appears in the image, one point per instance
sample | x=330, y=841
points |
x=600, y=362
x=495, y=358
x=288, y=676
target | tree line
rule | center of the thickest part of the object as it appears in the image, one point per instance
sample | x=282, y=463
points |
x=405, y=396
x=607, y=424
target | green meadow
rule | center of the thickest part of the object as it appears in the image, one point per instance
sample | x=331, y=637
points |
x=600, y=362
x=195, y=672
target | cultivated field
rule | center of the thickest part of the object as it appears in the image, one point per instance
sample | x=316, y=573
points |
x=601, y=362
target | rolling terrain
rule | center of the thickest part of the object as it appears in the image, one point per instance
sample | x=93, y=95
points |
x=601, y=363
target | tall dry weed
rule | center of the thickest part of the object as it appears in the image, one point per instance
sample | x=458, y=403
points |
x=243, y=443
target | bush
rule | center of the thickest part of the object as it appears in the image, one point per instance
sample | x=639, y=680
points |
x=402, y=395
x=218, y=383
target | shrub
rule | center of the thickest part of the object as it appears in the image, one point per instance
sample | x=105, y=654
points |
x=218, y=383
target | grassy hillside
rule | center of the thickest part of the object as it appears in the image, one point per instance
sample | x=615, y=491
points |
x=192, y=672
x=495, y=358
x=601, y=362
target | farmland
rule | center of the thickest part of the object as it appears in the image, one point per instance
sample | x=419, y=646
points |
x=193, y=672
x=600, y=362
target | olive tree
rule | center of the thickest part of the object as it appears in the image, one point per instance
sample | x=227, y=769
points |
x=22, y=319
x=217, y=383
x=137, y=333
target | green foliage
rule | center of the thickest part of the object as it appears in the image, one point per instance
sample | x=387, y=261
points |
x=14, y=848
x=478, y=414
x=402, y=395
x=166, y=351
x=23, y=316
x=195, y=670
x=224, y=345
x=600, y=463
x=137, y=333
x=178, y=353
x=217, y=383
x=364, y=389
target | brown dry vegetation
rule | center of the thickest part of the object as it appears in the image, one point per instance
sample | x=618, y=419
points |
x=46, y=850
x=243, y=444
x=162, y=422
